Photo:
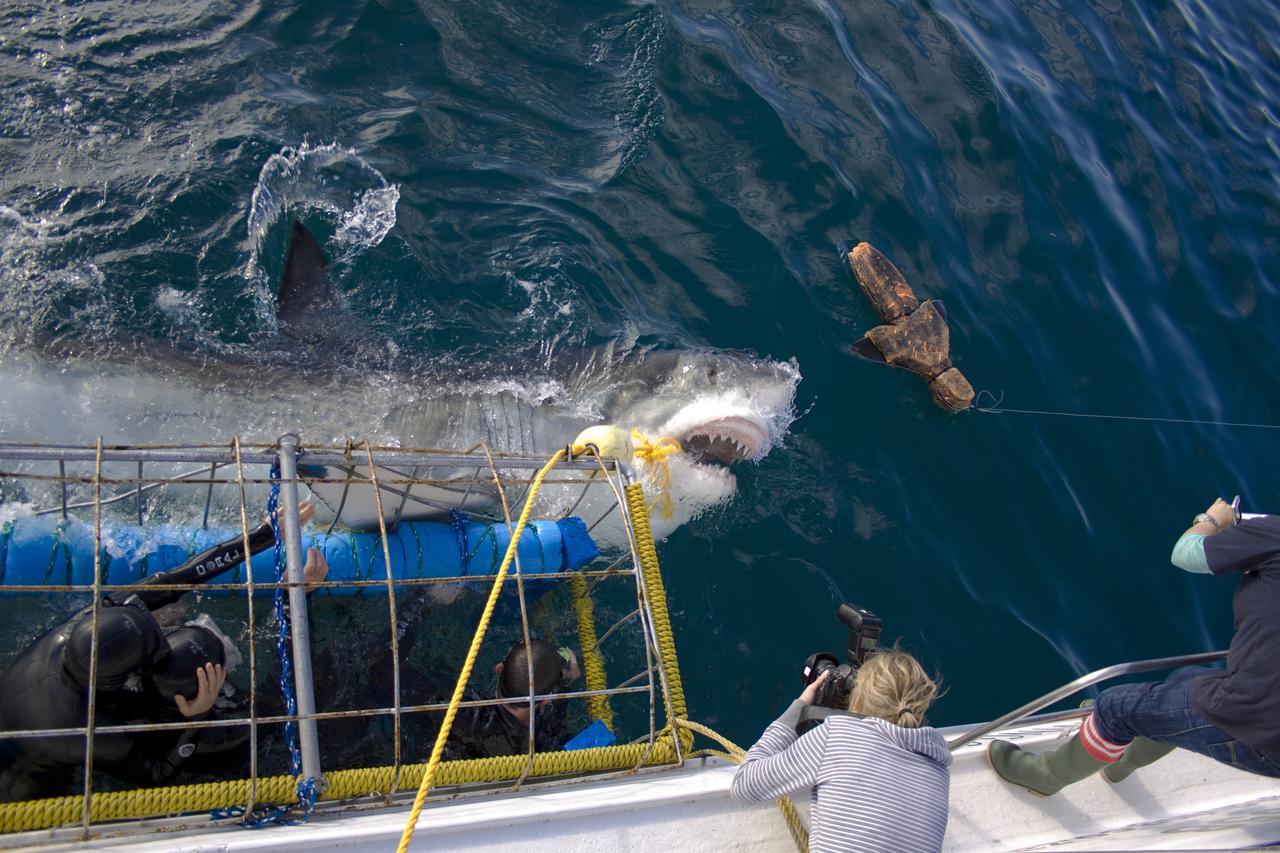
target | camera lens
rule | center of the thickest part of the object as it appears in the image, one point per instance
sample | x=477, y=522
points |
x=815, y=665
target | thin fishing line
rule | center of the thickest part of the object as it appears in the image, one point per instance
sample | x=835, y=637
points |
x=996, y=409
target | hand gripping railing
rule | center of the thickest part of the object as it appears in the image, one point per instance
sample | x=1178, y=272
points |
x=1080, y=683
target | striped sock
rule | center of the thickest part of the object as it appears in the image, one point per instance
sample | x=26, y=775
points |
x=1098, y=746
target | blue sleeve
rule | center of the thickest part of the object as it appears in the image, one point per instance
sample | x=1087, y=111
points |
x=1188, y=554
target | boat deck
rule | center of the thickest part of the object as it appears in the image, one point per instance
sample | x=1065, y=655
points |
x=1185, y=802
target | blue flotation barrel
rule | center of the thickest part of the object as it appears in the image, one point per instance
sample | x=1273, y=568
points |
x=48, y=551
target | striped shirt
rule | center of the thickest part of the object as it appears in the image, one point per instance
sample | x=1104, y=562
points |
x=876, y=786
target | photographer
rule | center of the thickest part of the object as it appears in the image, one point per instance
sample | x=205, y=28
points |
x=879, y=779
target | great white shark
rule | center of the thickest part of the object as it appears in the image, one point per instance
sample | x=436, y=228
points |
x=723, y=408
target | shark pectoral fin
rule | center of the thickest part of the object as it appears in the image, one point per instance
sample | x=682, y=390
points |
x=864, y=348
x=305, y=286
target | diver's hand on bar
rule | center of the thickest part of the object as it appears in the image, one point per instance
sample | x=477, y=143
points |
x=316, y=568
x=306, y=512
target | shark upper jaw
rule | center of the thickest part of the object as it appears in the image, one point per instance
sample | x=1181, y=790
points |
x=712, y=441
x=700, y=477
x=725, y=441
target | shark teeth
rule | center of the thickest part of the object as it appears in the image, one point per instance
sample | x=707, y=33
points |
x=725, y=441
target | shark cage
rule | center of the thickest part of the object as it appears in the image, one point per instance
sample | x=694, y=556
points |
x=337, y=688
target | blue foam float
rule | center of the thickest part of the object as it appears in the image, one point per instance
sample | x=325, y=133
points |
x=45, y=551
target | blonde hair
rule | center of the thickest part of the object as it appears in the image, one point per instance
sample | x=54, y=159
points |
x=893, y=686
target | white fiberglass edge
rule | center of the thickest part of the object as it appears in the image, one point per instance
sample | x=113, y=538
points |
x=1182, y=802
x=672, y=810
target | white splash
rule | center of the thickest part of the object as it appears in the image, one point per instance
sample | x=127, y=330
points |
x=366, y=224
x=328, y=178
x=11, y=512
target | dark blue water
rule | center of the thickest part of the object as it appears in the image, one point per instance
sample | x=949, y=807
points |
x=1092, y=188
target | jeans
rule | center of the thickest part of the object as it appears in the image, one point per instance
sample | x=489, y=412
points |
x=1162, y=711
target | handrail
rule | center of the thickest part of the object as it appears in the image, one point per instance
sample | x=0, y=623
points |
x=1080, y=683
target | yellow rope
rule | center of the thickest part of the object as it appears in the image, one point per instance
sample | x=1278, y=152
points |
x=735, y=753
x=467, y=665
x=656, y=453
x=346, y=784
x=592, y=662
x=343, y=785
x=391, y=617
x=657, y=598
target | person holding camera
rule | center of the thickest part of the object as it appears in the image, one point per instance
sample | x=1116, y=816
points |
x=879, y=776
x=144, y=673
x=1231, y=715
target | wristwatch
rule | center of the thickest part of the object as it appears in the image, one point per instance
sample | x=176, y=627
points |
x=1204, y=516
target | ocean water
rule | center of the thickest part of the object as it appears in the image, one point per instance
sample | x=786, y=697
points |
x=1093, y=188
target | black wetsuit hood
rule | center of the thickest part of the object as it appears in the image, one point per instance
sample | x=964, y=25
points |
x=128, y=641
x=184, y=651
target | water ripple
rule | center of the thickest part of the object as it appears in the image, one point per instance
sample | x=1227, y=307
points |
x=1091, y=186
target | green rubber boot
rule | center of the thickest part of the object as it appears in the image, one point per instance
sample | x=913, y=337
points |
x=1044, y=773
x=1139, y=754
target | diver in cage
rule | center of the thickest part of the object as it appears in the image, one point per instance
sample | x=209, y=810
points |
x=488, y=730
x=144, y=674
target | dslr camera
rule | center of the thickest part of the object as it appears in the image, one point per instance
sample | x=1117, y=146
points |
x=864, y=639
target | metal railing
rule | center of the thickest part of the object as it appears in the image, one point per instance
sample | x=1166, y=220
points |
x=25, y=478
x=1087, y=680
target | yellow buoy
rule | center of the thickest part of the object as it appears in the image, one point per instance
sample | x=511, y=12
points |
x=604, y=440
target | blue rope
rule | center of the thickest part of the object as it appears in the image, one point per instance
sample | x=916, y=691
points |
x=282, y=621
x=459, y=520
x=263, y=815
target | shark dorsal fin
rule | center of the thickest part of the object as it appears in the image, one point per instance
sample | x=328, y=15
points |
x=305, y=286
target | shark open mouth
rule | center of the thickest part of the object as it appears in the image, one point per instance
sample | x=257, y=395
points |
x=724, y=441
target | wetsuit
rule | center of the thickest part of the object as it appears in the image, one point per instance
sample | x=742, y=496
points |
x=488, y=730
x=47, y=687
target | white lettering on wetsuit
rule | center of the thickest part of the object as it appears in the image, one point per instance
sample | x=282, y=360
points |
x=218, y=562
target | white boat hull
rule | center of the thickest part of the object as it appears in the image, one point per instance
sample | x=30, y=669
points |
x=1185, y=802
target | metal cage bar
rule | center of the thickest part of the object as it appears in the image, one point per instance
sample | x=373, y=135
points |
x=507, y=470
